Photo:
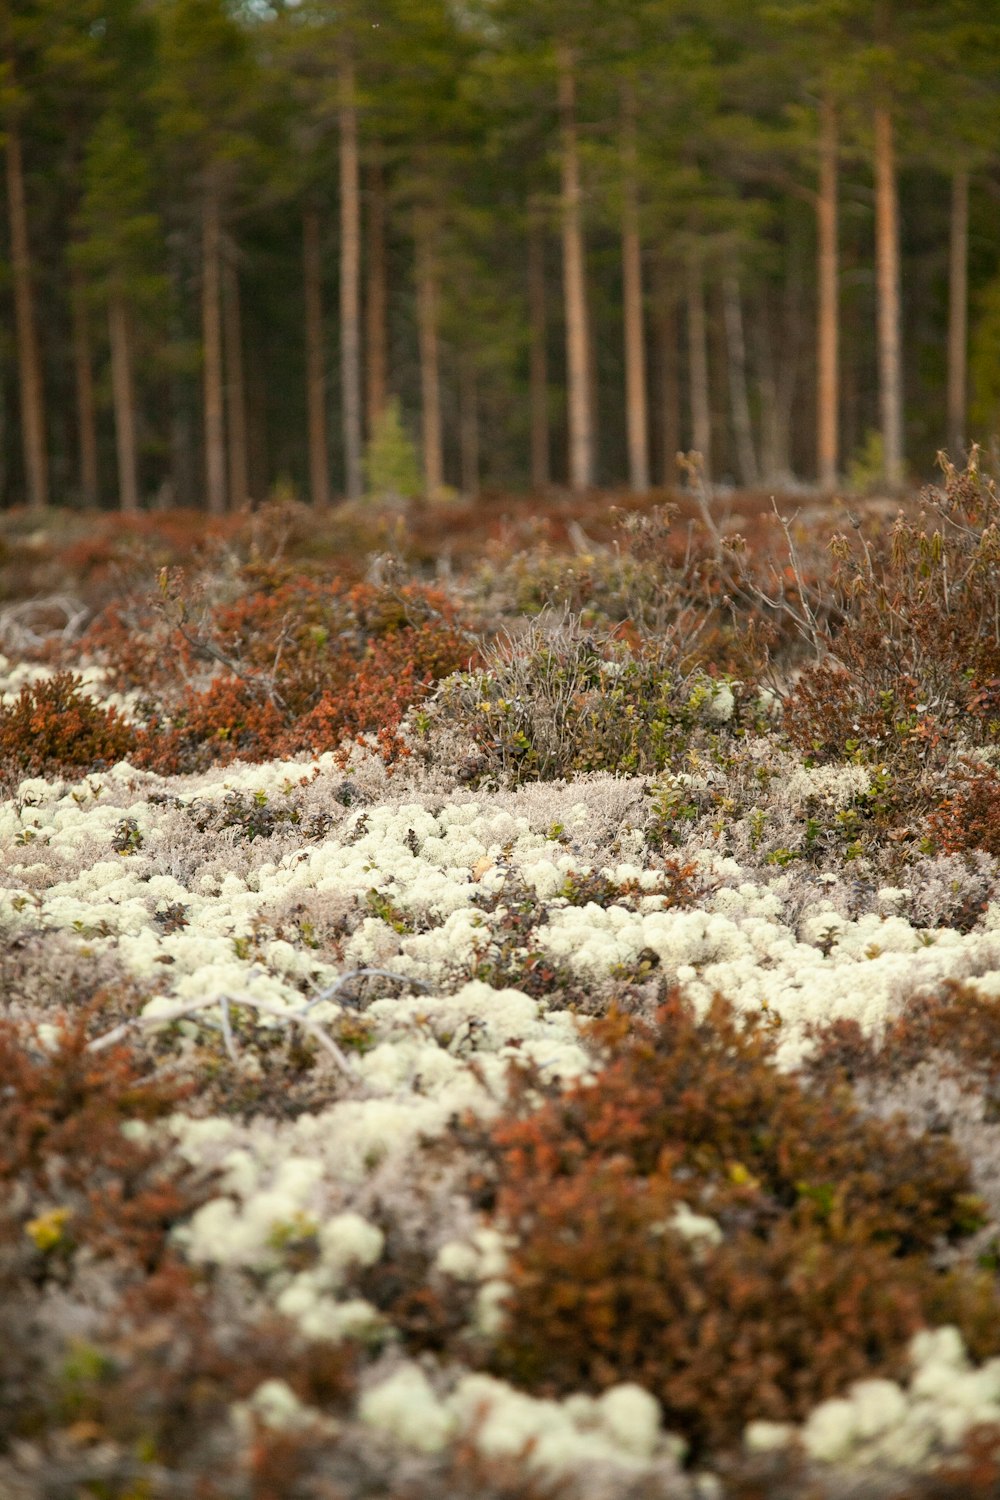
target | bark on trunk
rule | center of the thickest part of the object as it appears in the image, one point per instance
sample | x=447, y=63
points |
x=83, y=374
x=827, y=352
x=211, y=333
x=469, y=427
x=887, y=277
x=667, y=339
x=377, y=328
x=350, y=283
x=183, y=486
x=958, y=313
x=257, y=448
x=236, y=409
x=701, y=408
x=312, y=282
x=636, y=409
x=427, y=335
x=738, y=396
x=123, y=397
x=29, y=361
x=538, y=373
x=581, y=439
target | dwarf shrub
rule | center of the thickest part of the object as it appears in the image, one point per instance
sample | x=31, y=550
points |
x=557, y=701
x=916, y=657
x=52, y=728
x=809, y=1267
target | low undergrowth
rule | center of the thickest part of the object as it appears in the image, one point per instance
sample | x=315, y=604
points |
x=414, y=900
x=736, y=1243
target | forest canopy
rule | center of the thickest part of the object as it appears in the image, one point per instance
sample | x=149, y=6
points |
x=427, y=246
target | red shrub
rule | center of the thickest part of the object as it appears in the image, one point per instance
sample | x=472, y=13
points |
x=52, y=728
x=827, y=1221
x=970, y=817
x=62, y=1147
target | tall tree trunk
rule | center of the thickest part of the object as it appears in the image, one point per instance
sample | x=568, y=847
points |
x=236, y=407
x=350, y=283
x=538, y=373
x=890, y=359
x=469, y=426
x=636, y=409
x=83, y=374
x=123, y=396
x=739, y=399
x=377, y=299
x=667, y=336
x=29, y=361
x=312, y=282
x=256, y=389
x=211, y=334
x=427, y=337
x=581, y=437
x=183, y=486
x=958, y=312
x=827, y=352
x=701, y=407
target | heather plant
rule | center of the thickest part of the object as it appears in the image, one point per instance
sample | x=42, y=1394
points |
x=737, y=1243
x=969, y=816
x=297, y=665
x=76, y=1187
x=52, y=727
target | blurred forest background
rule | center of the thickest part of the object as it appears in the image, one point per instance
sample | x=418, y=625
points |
x=424, y=246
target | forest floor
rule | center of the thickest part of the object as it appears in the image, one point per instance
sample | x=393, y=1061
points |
x=501, y=1001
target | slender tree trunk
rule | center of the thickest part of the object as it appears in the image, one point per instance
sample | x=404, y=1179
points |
x=211, y=333
x=427, y=336
x=958, y=312
x=29, y=360
x=701, y=407
x=469, y=427
x=538, y=373
x=123, y=396
x=739, y=399
x=83, y=372
x=771, y=447
x=667, y=337
x=312, y=282
x=827, y=352
x=350, y=283
x=377, y=300
x=256, y=388
x=182, y=487
x=636, y=409
x=236, y=406
x=581, y=438
x=887, y=277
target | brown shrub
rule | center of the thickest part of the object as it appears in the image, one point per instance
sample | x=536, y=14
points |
x=960, y=1023
x=970, y=817
x=822, y=1274
x=52, y=728
x=73, y=1189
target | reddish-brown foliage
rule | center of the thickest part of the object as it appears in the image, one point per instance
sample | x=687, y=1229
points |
x=301, y=666
x=231, y=719
x=960, y=1024
x=827, y=1220
x=52, y=728
x=62, y=1146
x=970, y=817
